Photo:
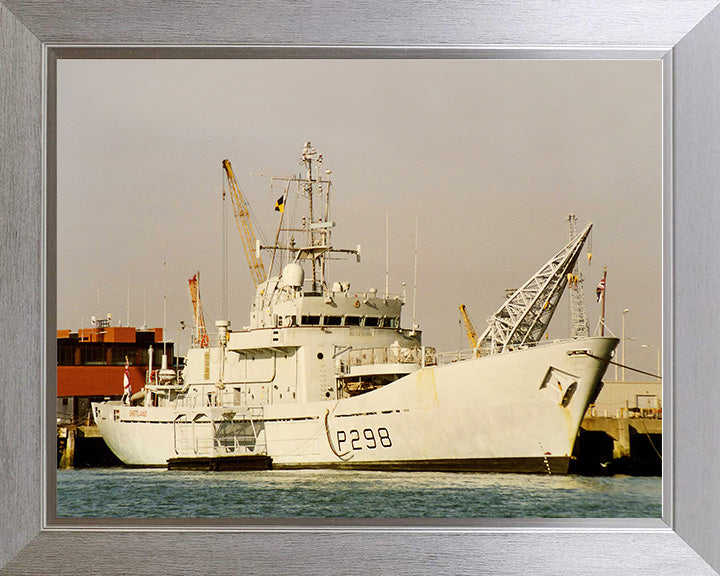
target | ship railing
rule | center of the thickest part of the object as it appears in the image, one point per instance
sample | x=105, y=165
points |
x=213, y=341
x=236, y=444
x=424, y=355
x=219, y=446
x=391, y=355
x=442, y=358
x=193, y=445
x=346, y=293
x=218, y=398
x=460, y=355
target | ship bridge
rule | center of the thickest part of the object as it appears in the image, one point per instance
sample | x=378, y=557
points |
x=279, y=303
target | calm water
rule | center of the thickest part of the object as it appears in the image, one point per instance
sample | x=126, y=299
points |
x=158, y=493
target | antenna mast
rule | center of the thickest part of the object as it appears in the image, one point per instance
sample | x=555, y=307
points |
x=127, y=316
x=417, y=222
x=224, y=255
x=387, y=254
x=578, y=318
x=317, y=229
x=307, y=154
x=318, y=235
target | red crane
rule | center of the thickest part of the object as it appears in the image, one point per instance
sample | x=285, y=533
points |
x=201, y=336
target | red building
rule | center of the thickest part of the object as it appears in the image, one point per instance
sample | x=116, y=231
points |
x=91, y=365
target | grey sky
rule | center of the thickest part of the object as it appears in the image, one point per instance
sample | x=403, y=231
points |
x=490, y=155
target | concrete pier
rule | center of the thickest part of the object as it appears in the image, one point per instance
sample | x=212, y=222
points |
x=83, y=447
x=623, y=445
x=619, y=429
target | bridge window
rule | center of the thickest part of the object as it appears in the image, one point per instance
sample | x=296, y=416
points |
x=352, y=320
x=332, y=320
x=390, y=323
x=372, y=321
x=310, y=320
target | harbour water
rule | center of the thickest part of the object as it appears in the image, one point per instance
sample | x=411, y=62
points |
x=158, y=493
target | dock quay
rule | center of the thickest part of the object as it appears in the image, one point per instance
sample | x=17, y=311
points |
x=82, y=446
x=221, y=463
x=619, y=445
x=622, y=431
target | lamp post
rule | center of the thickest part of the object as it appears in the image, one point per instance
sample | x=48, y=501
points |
x=658, y=357
x=623, y=342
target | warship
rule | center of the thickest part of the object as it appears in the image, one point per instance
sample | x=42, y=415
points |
x=327, y=377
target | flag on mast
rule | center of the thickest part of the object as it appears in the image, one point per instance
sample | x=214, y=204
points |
x=600, y=289
x=280, y=204
x=126, y=381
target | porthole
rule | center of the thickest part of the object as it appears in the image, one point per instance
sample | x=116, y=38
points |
x=320, y=355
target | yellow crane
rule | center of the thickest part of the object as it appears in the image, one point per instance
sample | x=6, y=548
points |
x=247, y=233
x=469, y=328
x=201, y=335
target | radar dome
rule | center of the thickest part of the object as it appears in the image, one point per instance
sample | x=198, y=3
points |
x=293, y=275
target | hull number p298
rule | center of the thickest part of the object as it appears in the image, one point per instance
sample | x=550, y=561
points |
x=369, y=439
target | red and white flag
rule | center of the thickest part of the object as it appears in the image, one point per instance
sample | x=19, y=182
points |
x=126, y=381
x=600, y=289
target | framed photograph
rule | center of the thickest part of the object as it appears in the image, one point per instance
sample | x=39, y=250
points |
x=676, y=42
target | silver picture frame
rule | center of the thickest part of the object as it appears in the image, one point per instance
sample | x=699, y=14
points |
x=684, y=35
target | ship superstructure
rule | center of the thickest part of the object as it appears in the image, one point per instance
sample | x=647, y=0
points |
x=325, y=376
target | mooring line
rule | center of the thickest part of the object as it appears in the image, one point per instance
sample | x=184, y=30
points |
x=623, y=365
x=642, y=421
x=329, y=439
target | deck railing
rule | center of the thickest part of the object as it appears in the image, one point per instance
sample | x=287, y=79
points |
x=391, y=355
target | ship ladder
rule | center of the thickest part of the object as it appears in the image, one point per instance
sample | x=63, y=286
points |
x=257, y=414
x=182, y=441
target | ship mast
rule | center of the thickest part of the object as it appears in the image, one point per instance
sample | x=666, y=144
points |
x=318, y=259
x=316, y=225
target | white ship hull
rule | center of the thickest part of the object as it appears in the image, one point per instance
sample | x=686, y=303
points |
x=518, y=411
